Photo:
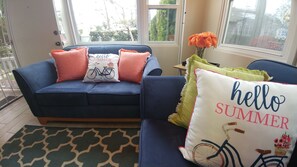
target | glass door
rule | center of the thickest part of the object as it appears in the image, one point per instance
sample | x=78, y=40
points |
x=9, y=90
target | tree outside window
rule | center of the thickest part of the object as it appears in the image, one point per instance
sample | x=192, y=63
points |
x=162, y=23
x=118, y=20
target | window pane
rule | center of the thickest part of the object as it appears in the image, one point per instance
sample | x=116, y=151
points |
x=258, y=23
x=106, y=20
x=162, y=24
x=161, y=2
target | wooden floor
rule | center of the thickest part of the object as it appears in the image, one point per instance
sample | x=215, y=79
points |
x=18, y=114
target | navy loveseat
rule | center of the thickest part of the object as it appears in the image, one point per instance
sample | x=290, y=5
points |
x=159, y=139
x=78, y=101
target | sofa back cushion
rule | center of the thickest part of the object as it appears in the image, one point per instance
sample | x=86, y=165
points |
x=111, y=48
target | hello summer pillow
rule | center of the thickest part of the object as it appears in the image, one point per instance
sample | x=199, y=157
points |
x=241, y=123
x=189, y=92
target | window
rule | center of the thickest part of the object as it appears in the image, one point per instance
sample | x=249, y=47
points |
x=257, y=25
x=162, y=20
x=131, y=21
x=105, y=20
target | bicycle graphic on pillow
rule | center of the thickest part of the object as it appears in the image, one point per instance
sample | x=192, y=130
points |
x=107, y=72
x=212, y=154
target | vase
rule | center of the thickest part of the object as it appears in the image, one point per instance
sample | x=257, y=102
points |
x=200, y=52
x=184, y=63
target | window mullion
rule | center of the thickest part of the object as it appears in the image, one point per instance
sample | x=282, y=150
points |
x=73, y=28
x=162, y=6
x=143, y=21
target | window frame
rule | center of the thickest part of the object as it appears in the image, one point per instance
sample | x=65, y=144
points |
x=142, y=24
x=177, y=7
x=288, y=53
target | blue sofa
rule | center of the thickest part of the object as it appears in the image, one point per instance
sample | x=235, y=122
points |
x=78, y=101
x=159, y=139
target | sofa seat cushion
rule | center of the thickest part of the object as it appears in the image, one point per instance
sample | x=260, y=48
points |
x=121, y=93
x=159, y=142
x=64, y=93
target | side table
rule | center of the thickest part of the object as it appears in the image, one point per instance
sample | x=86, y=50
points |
x=180, y=68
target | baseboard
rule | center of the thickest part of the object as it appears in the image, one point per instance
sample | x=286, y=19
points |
x=45, y=120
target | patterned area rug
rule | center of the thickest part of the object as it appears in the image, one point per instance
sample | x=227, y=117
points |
x=69, y=147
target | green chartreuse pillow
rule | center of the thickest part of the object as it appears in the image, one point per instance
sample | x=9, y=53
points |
x=189, y=92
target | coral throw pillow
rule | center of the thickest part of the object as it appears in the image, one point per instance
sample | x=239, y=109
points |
x=70, y=65
x=131, y=66
x=241, y=123
x=189, y=92
x=102, y=68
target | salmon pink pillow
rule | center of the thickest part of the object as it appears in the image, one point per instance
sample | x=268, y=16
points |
x=131, y=66
x=71, y=65
x=127, y=50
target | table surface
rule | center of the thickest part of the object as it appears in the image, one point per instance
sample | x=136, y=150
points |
x=180, y=67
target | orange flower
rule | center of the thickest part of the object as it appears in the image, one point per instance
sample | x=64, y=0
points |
x=203, y=40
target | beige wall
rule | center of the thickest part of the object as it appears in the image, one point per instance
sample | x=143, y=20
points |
x=194, y=19
x=167, y=57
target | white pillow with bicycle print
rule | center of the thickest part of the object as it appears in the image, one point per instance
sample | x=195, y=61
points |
x=102, y=68
x=241, y=123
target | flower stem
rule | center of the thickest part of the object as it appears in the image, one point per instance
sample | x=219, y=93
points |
x=200, y=52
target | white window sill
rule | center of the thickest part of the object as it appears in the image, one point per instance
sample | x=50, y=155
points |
x=251, y=52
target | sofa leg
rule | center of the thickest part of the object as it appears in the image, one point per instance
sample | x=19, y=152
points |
x=42, y=121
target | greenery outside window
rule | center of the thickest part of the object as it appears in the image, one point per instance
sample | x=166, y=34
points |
x=118, y=21
x=162, y=17
x=260, y=27
x=105, y=20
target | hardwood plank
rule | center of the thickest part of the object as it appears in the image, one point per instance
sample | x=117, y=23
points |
x=5, y=138
x=13, y=106
x=20, y=119
x=8, y=117
x=18, y=114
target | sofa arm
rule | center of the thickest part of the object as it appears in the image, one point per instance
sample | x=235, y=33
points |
x=159, y=96
x=34, y=77
x=152, y=67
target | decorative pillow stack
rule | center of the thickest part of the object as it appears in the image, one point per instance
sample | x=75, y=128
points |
x=131, y=65
x=241, y=123
x=70, y=65
x=188, y=95
x=75, y=65
x=102, y=68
